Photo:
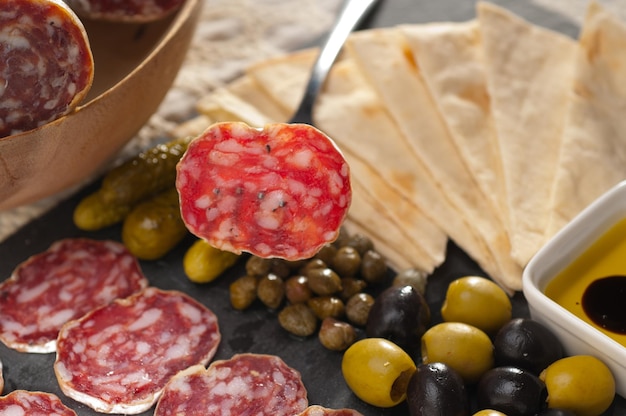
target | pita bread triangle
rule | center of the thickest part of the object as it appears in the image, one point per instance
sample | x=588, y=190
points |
x=529, y=72
x=449, y=55
x=423, y=243
x=593, y=154
x=382, y=57
x=349, y=111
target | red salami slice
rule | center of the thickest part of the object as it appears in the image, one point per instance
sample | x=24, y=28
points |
x=22, y=402
x=62, y=283
x=316, y=410
x=246, y=384
x=118, y=358
x=125, y=10
x=46, y=65
x=282, y=191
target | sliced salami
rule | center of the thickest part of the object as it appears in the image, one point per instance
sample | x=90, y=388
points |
x=46, y=65
x=281, y=191
x=126, y=10
x=64, y=282
x=316, y=410
x=118, y=358
x=246, y=384
x=33, y=403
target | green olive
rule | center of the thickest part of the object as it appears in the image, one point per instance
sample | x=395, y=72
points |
x=377, y=371
x=465, y=348
x=580, y=383
x=477, y=301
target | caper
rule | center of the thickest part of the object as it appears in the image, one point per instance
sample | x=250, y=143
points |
x=312, y=264
x=342, y=238
x=243, y=292
x=413, y=277
x=298, y=319
x=271, y=290
x=360, y=242
x=336, y=335
x=258, y=266
x=326, y=253
x=280, y=268
x=297, y=289
x=323, y=281
x=373, y=267
x=347, y=261
x=351, y=286
x=358, y=308
x=327, y=306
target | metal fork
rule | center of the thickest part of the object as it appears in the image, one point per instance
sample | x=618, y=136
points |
x=352, y=13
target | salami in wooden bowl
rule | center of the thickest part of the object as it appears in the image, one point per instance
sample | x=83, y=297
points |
x=135, y=65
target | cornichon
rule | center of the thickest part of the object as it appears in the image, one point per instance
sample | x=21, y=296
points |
x=203, y=263
x=146, y=174
x=154, y=227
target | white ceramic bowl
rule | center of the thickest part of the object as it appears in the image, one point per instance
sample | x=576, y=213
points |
x=578, y=336
x=135, y=65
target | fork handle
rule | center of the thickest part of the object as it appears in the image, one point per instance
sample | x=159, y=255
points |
x=352, y=13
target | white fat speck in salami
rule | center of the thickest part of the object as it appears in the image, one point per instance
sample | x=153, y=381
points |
x=316, y=410
x=126, y=10
x=119, y=357
x=46, y=64
x=281, y=191
x=245, y=385
x=33, y=403
x=64, y=282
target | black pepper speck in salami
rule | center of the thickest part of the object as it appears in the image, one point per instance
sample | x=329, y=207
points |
x=281, y=191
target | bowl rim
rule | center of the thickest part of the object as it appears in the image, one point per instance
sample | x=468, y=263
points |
x=571, y=241
x=181, y=16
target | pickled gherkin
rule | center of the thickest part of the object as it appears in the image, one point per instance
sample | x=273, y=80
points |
x=203, y=263
x=135, y=180
x=154, y=227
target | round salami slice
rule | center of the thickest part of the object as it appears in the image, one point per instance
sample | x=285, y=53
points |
x=64, y=282
x=316, y=410
x=125, y=10
x=118, y=358
x=46, y=65
x=33, y=403
x=245, y=385
x=281, y=191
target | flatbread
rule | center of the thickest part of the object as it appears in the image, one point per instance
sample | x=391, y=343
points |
x=593, y=154
x=416, y=242
x=450, y=60
x=382, y=57
x=529, y=72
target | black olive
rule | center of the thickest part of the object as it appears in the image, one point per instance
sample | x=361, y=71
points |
x=512, y=391
x=401, y=315
x=437, y=389
x=527, y=344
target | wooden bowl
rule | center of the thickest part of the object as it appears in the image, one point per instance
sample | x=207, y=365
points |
x=135, y=65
